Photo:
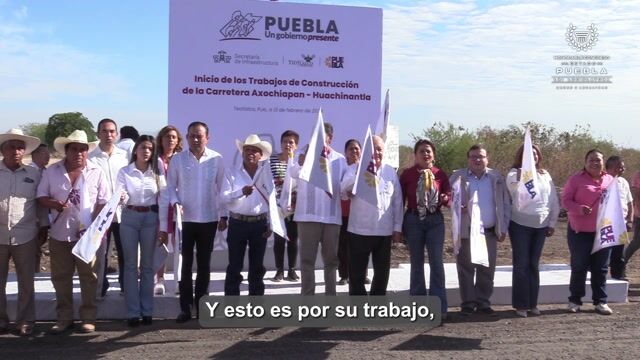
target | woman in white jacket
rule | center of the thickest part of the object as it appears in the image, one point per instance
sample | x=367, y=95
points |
x=529, y=226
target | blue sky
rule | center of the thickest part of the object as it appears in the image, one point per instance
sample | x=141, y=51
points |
x=472, y=63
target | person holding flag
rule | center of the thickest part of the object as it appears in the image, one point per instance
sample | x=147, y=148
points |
x=318, y=211
x=615, y=167
x=376, y=218
x=279, y=167
x=425, y=189
x=534, y=213
x=76, y=191
x=194, y=181
x=485, y=213
x=245, y=197
x=352, y=151
x=581, y=196
x=168, y=143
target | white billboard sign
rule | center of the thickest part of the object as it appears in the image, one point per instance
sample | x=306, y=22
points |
x=264, y=67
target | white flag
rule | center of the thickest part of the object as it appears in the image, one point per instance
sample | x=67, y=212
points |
x=456, y=214
x=264, y=185
x=85, y=249
x=477, y=240
x=528, y=187
x=286, y=193
x=317, y=168
x=177, y=245
x=383, y=119
x=366, y=182
x=611, y=229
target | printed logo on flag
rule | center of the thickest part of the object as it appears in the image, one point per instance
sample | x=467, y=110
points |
x=240, y=26
x=606, y=232
x=324, y=159
x=370, y=174
x=527, y=177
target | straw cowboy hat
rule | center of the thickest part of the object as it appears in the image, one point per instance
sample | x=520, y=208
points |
x=254, y=140
x=30, y=142
x=77, y=136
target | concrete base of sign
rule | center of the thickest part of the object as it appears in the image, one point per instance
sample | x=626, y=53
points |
x=554, y=289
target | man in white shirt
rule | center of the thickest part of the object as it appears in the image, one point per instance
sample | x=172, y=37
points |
x=248, y=207
x=110, y=158
x=40, y=157
x=75, y=190
x=615, y=167
x=373, y=228
x=494, y=204
x=319, y=217
x=128, y=137
x=193, y=183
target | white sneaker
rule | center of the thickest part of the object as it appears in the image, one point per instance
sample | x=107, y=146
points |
x=535, y=311
x=573, y=308
x=521, y=313
x=159, y=288
x=603, y=309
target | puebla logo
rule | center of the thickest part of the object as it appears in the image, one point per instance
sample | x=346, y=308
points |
x=240, y=26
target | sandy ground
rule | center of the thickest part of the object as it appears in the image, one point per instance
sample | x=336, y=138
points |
x=553, y=335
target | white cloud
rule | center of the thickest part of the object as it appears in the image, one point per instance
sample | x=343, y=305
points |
x=474, y=65
x=39, y=76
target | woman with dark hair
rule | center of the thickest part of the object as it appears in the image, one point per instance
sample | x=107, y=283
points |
x=168, y=142
x=581, y=197
x=530, y=224
x=139, y=184
x=425, y=189
x=352, y=152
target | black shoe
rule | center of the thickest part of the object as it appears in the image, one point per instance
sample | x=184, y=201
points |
x=367, y=281
x=467, y=311
x=105, y=288
x=292, y=276
x=488, y=311
x=133, y=322
x=343, y=281
x=279, y=275
x=183, y=317
x=147, y=320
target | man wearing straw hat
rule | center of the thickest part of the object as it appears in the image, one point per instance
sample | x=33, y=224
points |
x=19, y=223
x=75, y=190
x=248, y=215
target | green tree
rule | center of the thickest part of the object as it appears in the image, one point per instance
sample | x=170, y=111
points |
x=452, y=143
x=406, y=157
x=35, y=129
x=65, y=123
